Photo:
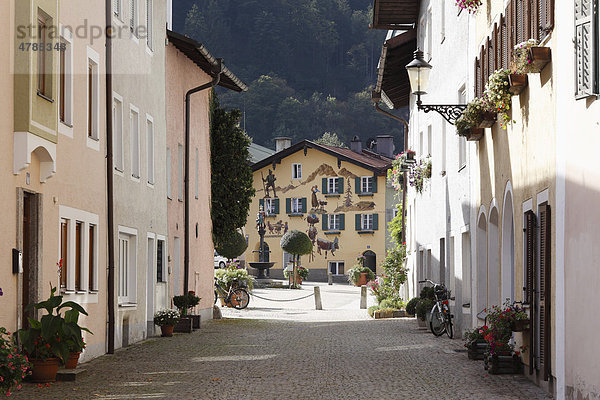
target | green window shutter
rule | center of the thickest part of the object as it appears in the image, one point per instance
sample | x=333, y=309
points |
x=585, y=49
x=324, y=222
x=261, y=203
x=342, y=222
x=357, y=222
x=324, y=186
x=374, y=184
x=276, y=204
x=288, y=205
x=303, y=201
x=357, y=185
x=375, y=222
x=340, y=185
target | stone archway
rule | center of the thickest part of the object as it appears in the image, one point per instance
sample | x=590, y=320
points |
x=493, y=259
x=507, y=279
x=370, y=260
x=481, y=265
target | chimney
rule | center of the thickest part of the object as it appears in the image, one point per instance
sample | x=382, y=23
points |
x=385, y=145
x=282, y=143
x=356, y=145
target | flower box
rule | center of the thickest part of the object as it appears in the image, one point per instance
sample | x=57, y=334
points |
x=540, y=56
x=476, y=350
x=489, y=119
x=474, y=134
x=503, y=364
x=520, y=325
x=383, y=314
x=517, y=82
x=184, y=325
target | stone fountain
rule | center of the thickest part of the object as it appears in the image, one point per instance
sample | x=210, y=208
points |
x=263, y=263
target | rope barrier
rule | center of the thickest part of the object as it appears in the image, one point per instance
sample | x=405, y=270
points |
x=282, y=300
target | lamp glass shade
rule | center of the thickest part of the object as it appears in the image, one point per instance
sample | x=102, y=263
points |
x=418, y=73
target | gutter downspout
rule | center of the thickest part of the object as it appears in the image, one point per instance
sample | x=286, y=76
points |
x=215, y=81
x=109, y=183
x=397, y=118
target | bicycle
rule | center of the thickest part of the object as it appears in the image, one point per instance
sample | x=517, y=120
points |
x=441, y=318
x=237, y=296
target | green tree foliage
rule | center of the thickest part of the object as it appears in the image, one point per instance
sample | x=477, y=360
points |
x=231, y=179
x=331, y=139
x=308, y=64
x=232, y=246
x=297, y=244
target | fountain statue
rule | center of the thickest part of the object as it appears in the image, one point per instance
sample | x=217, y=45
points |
x=263, y=250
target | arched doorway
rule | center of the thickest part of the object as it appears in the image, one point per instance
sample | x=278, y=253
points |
x=481, y=265
x=370, y=260
x=508, y=249
x=493, y=259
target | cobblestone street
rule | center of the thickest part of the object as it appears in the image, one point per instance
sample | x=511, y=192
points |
x=237, y=358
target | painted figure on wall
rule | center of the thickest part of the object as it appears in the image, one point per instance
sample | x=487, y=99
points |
x=327, y=245
x=318, y=206
x=260, y=219
x=269, y=182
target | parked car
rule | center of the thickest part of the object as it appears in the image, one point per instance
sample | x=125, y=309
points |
x=220, y=261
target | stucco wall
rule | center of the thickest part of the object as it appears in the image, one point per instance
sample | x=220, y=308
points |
x=183, y=75
x=315, y=166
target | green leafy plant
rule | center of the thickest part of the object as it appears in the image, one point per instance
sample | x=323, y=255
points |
x=500, y=321
x=475, y=335
x=497, y=95
x=354, y=273
x=14, y=367
x=411, y=306
x=523, y=63
x=392, y=302
x=185, y=302
x=232, y=245
x=297, y=244
x=424, y=305
x=53, y=335
x=166, y=317
x=230, y=276
x=302, y=273
x=420, y=174
x=427, y=293
x=472, y=116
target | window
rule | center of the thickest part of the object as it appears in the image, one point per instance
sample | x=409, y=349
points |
x=127, y=279
x=332, y=185
x=149, y=23
x=296, y=205
x=65, y=77
x=134, y=117
x=429, y=141
x=366, y=184
x=133, y=17
x=118, y=134
x=367, y=222
x=92, y=257
x=421, y=144
x=93, y=94
x=78, y=254
x=169, y=196
x=64, y=252
x=180, y=172
x=443, y=24
x=333, y=222
x=586, y=49
x=44, y=58
x=429, y=35
x=150, y=148
x=117, y=8
x=197, y=182
x=336, y=267
x=296, y=171
x=271, y=206
x=160, y=261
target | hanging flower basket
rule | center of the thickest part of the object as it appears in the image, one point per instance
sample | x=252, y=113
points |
x=489, y=119
x=517, y=82
x=520, y=325
x=472, y=134
x=540, y=56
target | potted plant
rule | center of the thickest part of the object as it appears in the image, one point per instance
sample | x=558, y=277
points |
x=359, y=275
x=497, y=97
x=297, y=244
x=530, y=57
x=166, y=319
x=475, y=343
x=420, y=174
x=411, y=306
x=14, y=367
x=467, y=124
x=185, y=303
x=424, y=306
x=500, y=356
x=49, y=341
x=302, y=274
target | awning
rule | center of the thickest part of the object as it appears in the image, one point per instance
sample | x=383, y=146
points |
x=392, y=77
x=395, y=14
x=203, y=59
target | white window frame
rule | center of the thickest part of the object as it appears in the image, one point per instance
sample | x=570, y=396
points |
x=179, y=172
x=93, y=59
x=149, y=24
x=162, y=239
x=429, y=141
x=366, y=222
x=366, y=184
x=134, y=143
x=66, y=38
x=337, y=267
x=72, y=217
x=150, y=154
x=169, y=184
x=118, y=140
x=126, y=288
x=296, y=205
x=296, y=171
x=269, y=205
x=333, y=222
x=332, y=182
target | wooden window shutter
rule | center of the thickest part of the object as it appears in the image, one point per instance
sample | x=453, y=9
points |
x=374, y=189
x=519, y=22
x=357, y=222
x=527, y=19
x=357, y=185
x=477, y=77
x=342, y=221
x=546, y=17
x=509, y=31
x=505, y=50
x=545, y=288
x=324, y=185
x=276, y=205
x=325, y=222
x=530, y=231
x=486, y=65
x=288, y=205
x=490, y=55
x=585, y=49
x=303, y=205
x=497, y=47
x=534, y=22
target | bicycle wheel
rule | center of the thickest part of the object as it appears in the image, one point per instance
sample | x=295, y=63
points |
x=436, y=324
x=240, y=299
x=448, y=319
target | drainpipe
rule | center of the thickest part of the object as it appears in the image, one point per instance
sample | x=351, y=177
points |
x=186, y=258
x=397, y=118
x=109, y=183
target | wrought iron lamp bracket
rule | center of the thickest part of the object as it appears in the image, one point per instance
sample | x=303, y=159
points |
x=450, y=112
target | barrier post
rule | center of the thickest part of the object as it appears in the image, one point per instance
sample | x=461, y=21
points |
x=318, y=305
x=363, y=297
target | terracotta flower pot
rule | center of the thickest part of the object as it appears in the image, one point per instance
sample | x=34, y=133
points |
x=517, y=83
x=167, y=330
x=540, y=56
x=44, y=371
x=72, y=360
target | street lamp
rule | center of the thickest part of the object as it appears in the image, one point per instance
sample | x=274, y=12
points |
x=418, y=75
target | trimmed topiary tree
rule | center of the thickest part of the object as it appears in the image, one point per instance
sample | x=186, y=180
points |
x=297, y=244
x=232, y=246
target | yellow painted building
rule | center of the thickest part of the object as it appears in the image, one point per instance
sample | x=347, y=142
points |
x=337, y=196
